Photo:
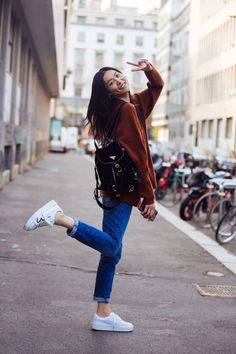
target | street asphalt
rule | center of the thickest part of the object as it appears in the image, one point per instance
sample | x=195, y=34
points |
x=47, y=278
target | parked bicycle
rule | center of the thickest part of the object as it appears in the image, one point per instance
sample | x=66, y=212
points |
x=226, y=200
x=209, y=209
x=226, y=229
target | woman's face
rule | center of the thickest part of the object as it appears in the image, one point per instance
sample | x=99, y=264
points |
x=116, y=83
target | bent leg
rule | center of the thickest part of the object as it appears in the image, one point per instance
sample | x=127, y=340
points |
x=115, y=222
x=109, y=240
x=94, y=238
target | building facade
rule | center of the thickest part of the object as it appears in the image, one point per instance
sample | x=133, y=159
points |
x=104, y=38
x=213, y=69
x=160, y=120
x=31, y=73
x=172, y=61
x=179, y=73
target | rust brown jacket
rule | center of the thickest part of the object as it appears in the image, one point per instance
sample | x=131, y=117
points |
x=131, y=133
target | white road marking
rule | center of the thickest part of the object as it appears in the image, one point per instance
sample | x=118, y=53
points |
x=209, y=245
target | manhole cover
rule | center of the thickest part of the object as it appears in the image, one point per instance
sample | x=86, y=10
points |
x=216, y=290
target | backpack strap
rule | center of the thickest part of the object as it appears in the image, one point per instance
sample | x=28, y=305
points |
x=96, y=193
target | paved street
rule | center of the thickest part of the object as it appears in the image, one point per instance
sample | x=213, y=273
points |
x=47, y=278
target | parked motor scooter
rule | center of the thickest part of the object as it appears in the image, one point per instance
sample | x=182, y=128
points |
x=197, y=183
x=165, y=177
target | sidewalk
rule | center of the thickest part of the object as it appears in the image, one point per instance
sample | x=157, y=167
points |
x=47, y=278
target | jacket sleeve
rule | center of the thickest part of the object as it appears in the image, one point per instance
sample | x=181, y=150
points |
x=148, y=98
x=131, y=135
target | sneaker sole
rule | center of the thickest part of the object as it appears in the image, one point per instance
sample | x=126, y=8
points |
x=45, y=207
x=97, y=327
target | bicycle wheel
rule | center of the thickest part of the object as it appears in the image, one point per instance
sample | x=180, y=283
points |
x=226, y=229
x=217, y=211
x=186, y=208
x=202, y=208
x=169, y=196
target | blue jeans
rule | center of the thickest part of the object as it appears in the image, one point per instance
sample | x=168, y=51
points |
x=108, y=242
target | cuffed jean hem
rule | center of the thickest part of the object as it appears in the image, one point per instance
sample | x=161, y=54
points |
x=101, y=299
x=71, y=232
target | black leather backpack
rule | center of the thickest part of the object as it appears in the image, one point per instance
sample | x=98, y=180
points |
x=115, y=172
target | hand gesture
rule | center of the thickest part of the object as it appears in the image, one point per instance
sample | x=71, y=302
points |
x=143, y=65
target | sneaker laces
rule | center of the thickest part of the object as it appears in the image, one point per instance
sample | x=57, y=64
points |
x=45, y=220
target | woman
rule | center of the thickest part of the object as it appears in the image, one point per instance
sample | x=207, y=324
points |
x=110, y=89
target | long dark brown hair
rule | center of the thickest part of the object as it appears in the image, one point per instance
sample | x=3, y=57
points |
x=100, y=106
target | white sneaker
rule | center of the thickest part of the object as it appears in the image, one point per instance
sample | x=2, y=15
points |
x=44, y=216
x=111, y=323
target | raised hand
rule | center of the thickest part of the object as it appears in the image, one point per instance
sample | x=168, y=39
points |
x=143, y=65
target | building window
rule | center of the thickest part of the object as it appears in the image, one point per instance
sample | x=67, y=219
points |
x=18, y=154
x=155, y=25
x=138, y=24
x=81, y=37
x=79, y=57
x=229, y=128
x=100, y=20
x=215, y=87
x=120, y=22
x=137, y=57
x=190, y=130
x=7, y=157
x=118, y=59
x=154, y=60
x=139, y=41
x=81, y=20
x=234, y=76
x=155, y=42
x=1, y=26
x=78, y=90
x=119, y=39
x=203, y=130
x=23, y=54
x=210, y=128
x=99, y=58
x=11, y=46
x=137, y=79
x=100, y=37
x=82, y=4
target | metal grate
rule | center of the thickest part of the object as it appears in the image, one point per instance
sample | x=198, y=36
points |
x=216, y=290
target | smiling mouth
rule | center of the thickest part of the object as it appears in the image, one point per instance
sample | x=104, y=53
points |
x=123, y=85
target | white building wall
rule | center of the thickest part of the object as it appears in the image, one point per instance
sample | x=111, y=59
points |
x=160, y=120
x=59, y=28
x=179, y=73
x=82, y=73
x=214, y=81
